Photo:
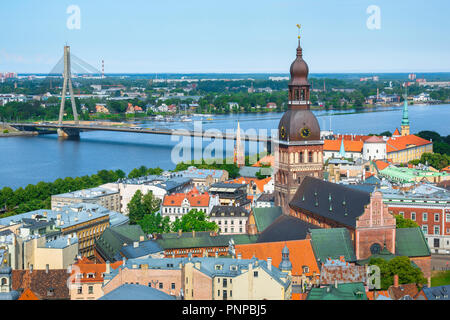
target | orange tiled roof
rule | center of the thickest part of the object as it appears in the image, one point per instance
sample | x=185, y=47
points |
x=260, y=183
x=396, y=132
x=446, y=169
x=350, y=146
x=351, y=137
x=96, y=268
x=299, y=296
x=381, y=164
x=195, y=199
x=379, y=293
x=402, y=143
x=269, y=159
x=300, y=254
x=28, y=295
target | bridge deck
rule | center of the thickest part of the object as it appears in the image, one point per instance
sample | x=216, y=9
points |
x=178, y=132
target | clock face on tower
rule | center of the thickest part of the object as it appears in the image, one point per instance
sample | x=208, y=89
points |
x=283, y=132
x=305, y=132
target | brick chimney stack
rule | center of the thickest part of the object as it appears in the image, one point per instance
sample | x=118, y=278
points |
x=395, y=280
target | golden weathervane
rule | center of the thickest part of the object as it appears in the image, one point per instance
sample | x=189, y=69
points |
x=298, y=26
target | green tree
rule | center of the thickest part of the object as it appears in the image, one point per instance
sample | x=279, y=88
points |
x=400, y=266
x=194, y=220
x=404, y=223
x=136, y=209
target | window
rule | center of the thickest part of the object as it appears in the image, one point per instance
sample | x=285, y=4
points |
x=436, y=217
x=50, y=292
x=161, y=285
x=80, y=290
x=218, y=293
x=172, y=286
x=425, y=229
x=91, y=289
x=231, y=293
x=255, y=274
x=447, y=217
x=437, y=230
x=425, y=216
x=413, y=216
x=224, y=283
x=402, y=213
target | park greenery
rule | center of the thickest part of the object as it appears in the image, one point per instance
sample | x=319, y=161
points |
x=401, y=266
x=441, y=278
x=144, y=211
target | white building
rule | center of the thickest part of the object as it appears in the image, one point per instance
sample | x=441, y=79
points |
x=230, y=219
x=374, y=149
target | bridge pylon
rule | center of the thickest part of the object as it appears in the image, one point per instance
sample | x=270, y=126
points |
x=67, y=82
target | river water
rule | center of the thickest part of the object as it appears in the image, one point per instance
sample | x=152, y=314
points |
x=28, y=160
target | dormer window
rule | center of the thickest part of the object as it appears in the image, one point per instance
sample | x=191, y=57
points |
x=218, y=267
x=91, y=275
x=50, y=292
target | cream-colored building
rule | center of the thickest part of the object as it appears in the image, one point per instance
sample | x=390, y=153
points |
x=108, y=198
x=55, y=254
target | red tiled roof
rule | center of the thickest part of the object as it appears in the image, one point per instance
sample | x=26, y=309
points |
x=402, y=143
x=402, y=290
x=97, y=269
x=195, y=199
x=300, y=254
x=381, y=164
x=51, y=285
x=396, y=132
x=370, y=294
x=260, y=183
x=350, y=146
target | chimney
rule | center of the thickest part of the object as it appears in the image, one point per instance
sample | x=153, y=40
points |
x=239, y=256
x=395, y=280
x=141, y=238
x=108, y=268
x=124, y=261
x=269, y=264
x=216, y=254
x=136, y=244
x=179, y=232
x=46, y=268
x=193, y=233
x=335, y=283
x=68, y=241
x=69, y=269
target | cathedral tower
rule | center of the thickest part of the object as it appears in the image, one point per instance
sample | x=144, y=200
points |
x=300, y=149
x=405, y=118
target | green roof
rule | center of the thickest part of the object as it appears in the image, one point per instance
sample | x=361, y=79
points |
x=112, y=239
x=411, y=242
x=202, y=240
x=265, y=216
x=405, y=174
x=332, y=243
x=344, y=291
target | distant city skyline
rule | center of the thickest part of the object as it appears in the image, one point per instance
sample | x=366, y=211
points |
x=227, y=37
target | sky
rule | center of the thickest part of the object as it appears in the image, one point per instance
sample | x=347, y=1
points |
x=244, y=36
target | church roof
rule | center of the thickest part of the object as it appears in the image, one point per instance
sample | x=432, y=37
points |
x=285, y=228
x=404, y=142
x=330, y=200
x=332, y=243
x=349, y=145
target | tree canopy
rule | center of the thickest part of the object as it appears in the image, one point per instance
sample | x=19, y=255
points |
x=402, y=222
x=400, y=266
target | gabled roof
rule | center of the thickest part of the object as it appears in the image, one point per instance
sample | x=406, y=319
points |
x=112, y=240
x=195, y=199
x=381, y=165
x=437, y=293
x=260, y=183
x=403, y=290
x=96, y=270
x=401, y=143
x=300, y=254
x=28, y=295
x=319, y=196
x=332, y=243
x=264, y=217
x=411, y=242
x=285, y=228
x=396, y=132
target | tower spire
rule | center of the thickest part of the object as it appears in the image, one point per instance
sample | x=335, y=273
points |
x=405, y=118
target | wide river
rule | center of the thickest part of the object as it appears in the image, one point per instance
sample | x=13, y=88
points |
x=28, y=160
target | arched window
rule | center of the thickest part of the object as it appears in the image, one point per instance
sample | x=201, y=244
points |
x=310, y=156
x=300, y=156
x=4, y=281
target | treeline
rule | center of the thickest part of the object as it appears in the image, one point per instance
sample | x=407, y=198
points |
x=38, y=196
